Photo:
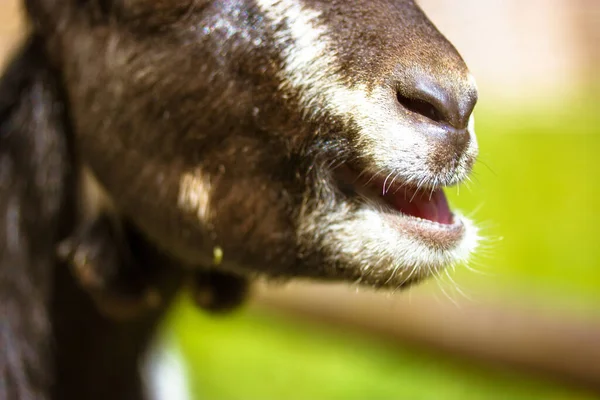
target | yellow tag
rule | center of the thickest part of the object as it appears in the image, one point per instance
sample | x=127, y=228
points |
x=217, y=255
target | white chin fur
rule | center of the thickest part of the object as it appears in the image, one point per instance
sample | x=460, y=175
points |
x=365, y=240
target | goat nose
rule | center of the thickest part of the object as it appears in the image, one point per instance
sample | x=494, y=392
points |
x=445, y=98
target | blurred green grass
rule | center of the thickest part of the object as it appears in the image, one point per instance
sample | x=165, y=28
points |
x=259, y=356
x=536, y=187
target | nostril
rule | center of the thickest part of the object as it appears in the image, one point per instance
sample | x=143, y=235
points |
x=420, y=107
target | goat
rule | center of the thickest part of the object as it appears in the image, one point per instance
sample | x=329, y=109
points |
x=147, y=142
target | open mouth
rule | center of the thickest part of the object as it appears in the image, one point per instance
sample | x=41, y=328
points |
x=421, y=205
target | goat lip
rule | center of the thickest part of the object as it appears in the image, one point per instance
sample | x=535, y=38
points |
x=423, y=208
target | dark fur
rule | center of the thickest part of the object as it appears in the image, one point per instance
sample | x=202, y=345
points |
x=35, y=176
x=138, y=92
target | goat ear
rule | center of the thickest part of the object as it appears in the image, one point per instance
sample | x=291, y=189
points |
x=34, y=171
x=101, y=259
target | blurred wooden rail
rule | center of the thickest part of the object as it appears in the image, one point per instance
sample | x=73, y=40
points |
x=565, y=347
x=561, y=347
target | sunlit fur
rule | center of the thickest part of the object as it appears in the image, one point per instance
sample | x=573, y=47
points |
x=232, y=139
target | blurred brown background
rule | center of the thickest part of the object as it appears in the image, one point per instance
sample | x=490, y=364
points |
x=10, y=27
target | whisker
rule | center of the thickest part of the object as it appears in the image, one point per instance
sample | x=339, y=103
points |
x=403, y=185
x=393, y=180
x=456, y=304
x=385, y=182
x=373, y=176
x=433, y=187
x=421, y=182
x=477, y=271
x=413, y=270
x=456, y=285
x=482, y=162
x=392, y=275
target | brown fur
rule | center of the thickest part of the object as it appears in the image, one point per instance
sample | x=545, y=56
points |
x=143, y=93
